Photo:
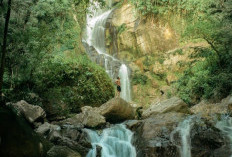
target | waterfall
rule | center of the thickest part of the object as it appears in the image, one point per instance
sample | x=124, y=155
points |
x=225, y=125
x=125, y=83
x=95, y=37
x=184, y=130
x=114, y=142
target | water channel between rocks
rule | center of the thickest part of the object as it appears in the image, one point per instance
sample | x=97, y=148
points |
x=113, y=142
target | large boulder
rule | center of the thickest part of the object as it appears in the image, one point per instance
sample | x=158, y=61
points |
x=206, y=140
x=174, y=104
x=88, y=118
x=152, y=135
x=116, y=110
x=209, y=110
x=62, y=151
x=46, y=128
x=30, y=112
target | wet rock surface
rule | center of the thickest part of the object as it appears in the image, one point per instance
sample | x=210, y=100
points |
x=158, y=136
x=152, y=135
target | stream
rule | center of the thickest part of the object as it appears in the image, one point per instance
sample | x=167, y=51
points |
x=225, y=125
x=114, y=142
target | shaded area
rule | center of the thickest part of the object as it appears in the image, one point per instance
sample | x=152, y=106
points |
x=17, y=139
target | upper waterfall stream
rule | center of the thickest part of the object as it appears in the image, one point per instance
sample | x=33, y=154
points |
x=95, y=37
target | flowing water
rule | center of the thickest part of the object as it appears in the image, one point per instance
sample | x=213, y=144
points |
x=225, y=125
x=95, y=37
x=184, y=130
x=125, y=83
x=114, y=142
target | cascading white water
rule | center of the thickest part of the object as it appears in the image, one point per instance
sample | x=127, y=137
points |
x=225, y=125
x=95, y=36
x=183, y=130
x=95, y=31
x=125, y=83
x=114, y=142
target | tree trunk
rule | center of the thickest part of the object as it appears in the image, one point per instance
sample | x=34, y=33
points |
x=4, y=46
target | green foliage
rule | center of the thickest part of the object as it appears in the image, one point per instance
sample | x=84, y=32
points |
x=179, y=52
x=210, y=78
x=205, y=80
x=148, y=61
x=187, y=7
x=169, y=94
x=148, y=6
x=121, y=28
x=44, y=56
x=209, y=73
x=161, y=60
x=139, y=79
x=73, y=82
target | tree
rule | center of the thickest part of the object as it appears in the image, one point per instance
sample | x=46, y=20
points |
x=4, y=45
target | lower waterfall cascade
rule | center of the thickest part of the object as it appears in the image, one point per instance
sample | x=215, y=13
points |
x=184, y=129
x=225, y=125
x=114, y=142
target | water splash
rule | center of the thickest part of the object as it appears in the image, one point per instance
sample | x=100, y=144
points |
x=115, y=142
x=225, y=125
x=125, y=83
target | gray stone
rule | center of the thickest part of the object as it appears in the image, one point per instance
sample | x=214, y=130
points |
x=30, y=112
x=152, y=135
x=54, y=136
x=209, y=110
x=116, y=110
x=174, y=104
x=46, y=128
x=88, y=118
x=62, y=151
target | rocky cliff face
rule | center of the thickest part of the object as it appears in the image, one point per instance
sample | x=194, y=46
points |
x=151, y=47
x=137, y=34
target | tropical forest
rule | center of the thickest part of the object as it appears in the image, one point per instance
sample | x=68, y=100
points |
x=115, y=78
